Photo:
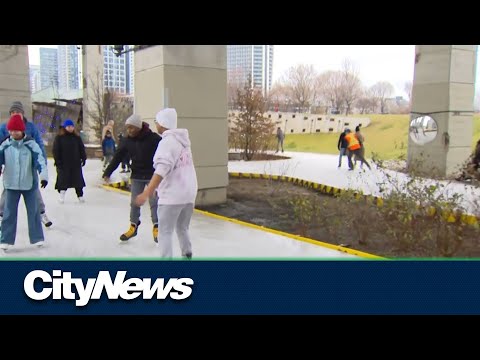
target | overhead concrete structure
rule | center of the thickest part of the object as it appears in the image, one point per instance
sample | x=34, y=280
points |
x=193, y=80
x=14, y=79
x=443, y=88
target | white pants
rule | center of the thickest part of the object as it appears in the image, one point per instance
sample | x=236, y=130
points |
x=170, y=218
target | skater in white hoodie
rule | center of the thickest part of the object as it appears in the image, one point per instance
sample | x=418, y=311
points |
x=175, y=182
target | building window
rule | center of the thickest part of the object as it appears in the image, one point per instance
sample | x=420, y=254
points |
x=303, y=130
x=291, y=131
x=330, y=129
x=293, y=116
x=332, y=119
x=346, y=124
x=319, y=119
x=305, y=118
x=318, y=130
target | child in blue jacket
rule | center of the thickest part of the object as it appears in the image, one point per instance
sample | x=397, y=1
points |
x=22, y=158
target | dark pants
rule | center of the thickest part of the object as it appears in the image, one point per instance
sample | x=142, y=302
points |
x=10, y=213
x=343, y=151
x=136, y=189
x=359, y=156
x=79, y=191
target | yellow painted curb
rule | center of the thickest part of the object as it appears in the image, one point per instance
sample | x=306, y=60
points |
x=291, y=236
x=115, y=187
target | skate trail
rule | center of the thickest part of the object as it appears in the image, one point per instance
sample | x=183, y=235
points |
x=92, y=229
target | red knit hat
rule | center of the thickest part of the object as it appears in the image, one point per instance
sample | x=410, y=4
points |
x=16, y=123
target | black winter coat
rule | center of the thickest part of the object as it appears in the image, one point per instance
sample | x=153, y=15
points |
x=69, y=154
x=141, y=150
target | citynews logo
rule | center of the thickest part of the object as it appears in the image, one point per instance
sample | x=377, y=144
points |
x=60, y=285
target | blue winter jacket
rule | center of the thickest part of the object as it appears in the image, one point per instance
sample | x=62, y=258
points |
x=22, y=159
x=30, y=130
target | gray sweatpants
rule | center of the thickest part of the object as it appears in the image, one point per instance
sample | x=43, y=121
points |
x=136, y=189
x=41, y=204
x=174, y=217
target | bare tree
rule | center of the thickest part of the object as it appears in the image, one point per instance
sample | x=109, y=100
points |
x=350, y=84
x=301, y=81
x=251, y=130
x=106, y=104
x=235, y=81
x=278, y=97
x=329, y=87
x=381, y=91
x=365, y=103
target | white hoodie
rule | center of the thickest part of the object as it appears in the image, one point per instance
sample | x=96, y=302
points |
x=173, y=161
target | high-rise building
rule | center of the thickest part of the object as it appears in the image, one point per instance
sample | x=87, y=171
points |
x=68, y=67
x=253, y=60
x=130, y=72
x=35, y=84
x=48, y=68
x=115, y=70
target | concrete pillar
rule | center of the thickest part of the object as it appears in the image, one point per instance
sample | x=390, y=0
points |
x=14, y=79
x=92, y=77
x=193, y=80
x=444, y=87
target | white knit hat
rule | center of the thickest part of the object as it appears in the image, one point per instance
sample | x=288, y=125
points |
x=167, y=118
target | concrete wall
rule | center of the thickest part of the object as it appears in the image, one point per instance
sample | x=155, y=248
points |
x=193, y=80
x=92, y=56
x=14, y=79
x=444, y=88
x=299, y=123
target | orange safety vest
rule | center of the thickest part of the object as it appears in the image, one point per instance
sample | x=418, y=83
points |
x=353, y=143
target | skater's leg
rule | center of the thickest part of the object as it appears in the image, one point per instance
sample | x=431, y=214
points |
x=183, y=224
x=35, y=230
x=167, y=217
x=9, y=221
x=136, y=189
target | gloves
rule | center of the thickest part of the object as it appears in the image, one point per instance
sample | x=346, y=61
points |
x=44, y=183
x=83, y=161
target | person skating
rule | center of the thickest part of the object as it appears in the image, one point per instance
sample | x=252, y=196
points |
x=22, y=159
x=175, y=182
x=140, y=144
x=70, y=156
x=31, y=130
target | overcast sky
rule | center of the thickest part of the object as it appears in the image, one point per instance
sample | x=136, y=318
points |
x=392, y=63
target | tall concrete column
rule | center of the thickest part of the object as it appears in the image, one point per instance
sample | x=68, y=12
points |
x=444, y=87
x=193, y=80
x=14, y=79
x=92, y=77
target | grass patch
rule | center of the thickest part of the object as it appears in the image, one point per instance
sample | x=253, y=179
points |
x=387, y=135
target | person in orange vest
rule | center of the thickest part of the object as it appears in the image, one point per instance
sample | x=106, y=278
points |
x=354, y=148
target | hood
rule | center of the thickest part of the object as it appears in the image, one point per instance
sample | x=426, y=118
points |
x=180, y=134
x=23, y=140
x=144, y=131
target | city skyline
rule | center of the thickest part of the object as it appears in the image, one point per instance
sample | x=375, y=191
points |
x=392, y=63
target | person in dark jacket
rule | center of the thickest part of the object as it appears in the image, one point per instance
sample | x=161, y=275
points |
x=126, y=159
x=70, y=156
x=108, y=148
x=342, y=147
x=140, y=144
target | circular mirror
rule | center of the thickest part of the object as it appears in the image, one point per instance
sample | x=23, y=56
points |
x=423, y=129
